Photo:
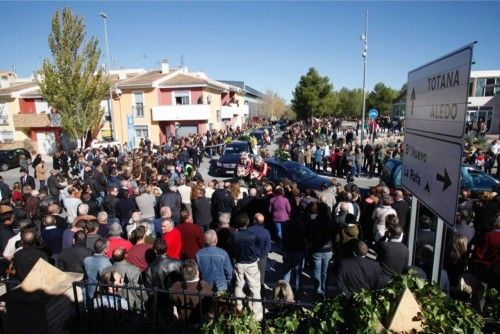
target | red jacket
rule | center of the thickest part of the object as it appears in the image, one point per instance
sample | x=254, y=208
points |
x=193, y=240
x=174, y=243
x=487, y=252
x=117, y=242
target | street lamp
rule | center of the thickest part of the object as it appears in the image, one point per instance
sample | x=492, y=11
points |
x=364, y=39
x=110, y=101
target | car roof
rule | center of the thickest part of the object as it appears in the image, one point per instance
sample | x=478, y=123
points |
x=257, y=132
x=284, y=163
x=237, y=142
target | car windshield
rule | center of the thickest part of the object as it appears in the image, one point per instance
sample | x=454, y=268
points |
x=235, y=150
x=300, y=172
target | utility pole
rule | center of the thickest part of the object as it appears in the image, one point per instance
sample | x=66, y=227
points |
x=110, y=101
x=364, y=38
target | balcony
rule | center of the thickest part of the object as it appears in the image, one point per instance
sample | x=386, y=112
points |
x=37, y=120
x=233, y=110
x=183, y=112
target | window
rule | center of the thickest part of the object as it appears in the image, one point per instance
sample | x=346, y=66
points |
x=41, y=106
x=181, y=98
x=141, y=131
x=471, y=88
x=489, y=89
x=480, y=83
x=218, y=116
x=138, y=104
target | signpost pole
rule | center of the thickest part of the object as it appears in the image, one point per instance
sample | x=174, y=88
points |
x=438, y=246
x=412, y=230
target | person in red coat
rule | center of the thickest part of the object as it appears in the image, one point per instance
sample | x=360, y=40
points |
x=486, y=256
x=172, y=237
x=192, y=236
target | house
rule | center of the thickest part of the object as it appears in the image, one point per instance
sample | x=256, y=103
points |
x=253, y=97
x=27, y=120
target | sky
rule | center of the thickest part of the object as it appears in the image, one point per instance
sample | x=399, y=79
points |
x=268, y=45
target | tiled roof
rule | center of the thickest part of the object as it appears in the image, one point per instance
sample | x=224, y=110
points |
x=17, y=87
x=145, y=79
x=32, y=93
x=184, y=80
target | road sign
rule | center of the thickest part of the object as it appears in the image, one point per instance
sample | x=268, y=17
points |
x=431, y=172
x=373, y=113
x=437, y=95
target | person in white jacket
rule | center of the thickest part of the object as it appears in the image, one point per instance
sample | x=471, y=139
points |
x=379, y=215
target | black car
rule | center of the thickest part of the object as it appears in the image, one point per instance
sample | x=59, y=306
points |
x=231, y=156
x=259, y=135
x=10, y=158
x=292, y=170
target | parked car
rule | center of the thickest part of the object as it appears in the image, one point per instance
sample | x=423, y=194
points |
x=10, y=158
x=471, y=178
x=231, y=156
x=259, y=135
x=270, y=130
x=292, y=170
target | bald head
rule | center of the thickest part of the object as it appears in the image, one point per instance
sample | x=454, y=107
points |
x=252, y=192
x=344, y=207
x=259, y=218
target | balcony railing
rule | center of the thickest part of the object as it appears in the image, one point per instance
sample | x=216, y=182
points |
x=6, y=136
x=4, y=120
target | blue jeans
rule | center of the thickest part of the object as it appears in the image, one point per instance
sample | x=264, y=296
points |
x=293, y=265
x=278, y=230
x=321, y=262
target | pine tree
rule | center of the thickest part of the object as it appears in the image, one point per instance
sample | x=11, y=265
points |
x=71, y=82
x=313, y=96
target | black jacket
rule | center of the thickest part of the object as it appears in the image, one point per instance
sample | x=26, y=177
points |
x=71, y=259
x=109, y=205
x=401, y=208
x=357, y=273
x=163, y=272
x=173, y=200
x=201, y=211
x=30, y=181
x=321, y=233
x=53, y=185
x=24, y=260
x=392, y=257
x=222, y=201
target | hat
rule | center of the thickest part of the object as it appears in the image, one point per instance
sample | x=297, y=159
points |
x=5, y=208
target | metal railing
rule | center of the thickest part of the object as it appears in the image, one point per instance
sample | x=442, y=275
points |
x=131, y=309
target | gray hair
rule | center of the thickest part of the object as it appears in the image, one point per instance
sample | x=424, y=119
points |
x=224, y=218
x=211, y=238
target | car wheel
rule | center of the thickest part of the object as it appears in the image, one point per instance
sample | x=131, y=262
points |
x=4, y=167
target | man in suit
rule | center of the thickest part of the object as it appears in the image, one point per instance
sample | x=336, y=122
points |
x=392, y=255
x=357, y=272
x=26, y=180
x=401, y=207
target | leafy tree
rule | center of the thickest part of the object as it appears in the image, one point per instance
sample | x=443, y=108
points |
x=350, y=102
x=381, y=98
x=274, y=106
x=72, y=83
x=313, y=96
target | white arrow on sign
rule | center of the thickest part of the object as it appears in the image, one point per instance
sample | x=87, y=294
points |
x=437, y=95
x=431, y=171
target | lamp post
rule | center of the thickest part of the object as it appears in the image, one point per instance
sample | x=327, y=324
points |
x=110, y=101
x=364, y=38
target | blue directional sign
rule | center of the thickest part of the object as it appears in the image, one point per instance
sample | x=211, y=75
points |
x=373, y=113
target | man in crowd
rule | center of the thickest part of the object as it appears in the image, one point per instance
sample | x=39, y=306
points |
x=214, y=263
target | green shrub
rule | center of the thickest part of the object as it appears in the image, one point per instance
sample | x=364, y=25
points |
x=233, y=321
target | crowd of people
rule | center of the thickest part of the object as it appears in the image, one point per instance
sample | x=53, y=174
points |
x=146, y=217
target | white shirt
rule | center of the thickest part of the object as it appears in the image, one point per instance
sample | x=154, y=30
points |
x=209, y=192
x=185, y=192
x=10, y=248
x=71, y=204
